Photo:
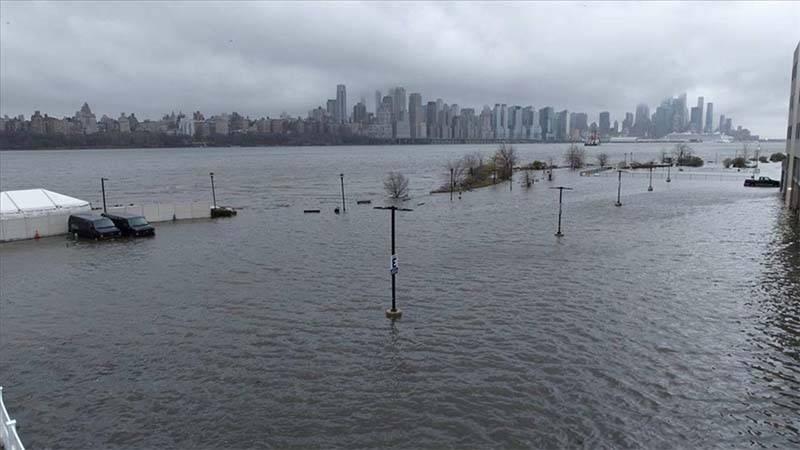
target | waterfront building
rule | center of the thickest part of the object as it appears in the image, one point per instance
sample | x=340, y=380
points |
x=790, y=185
x=431, y=120
x=124, y=123
x=378, y=100
x=721, y=126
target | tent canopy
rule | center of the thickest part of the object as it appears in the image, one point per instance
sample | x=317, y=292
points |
x=36, y=201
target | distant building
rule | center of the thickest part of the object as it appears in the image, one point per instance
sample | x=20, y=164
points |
x=37, y=123
x=399, y=111
x=641, y=124
x=360, y=113
x=378, y=99
x=416, y=116
x=340, y=115
x=791, y=166
x=605, y=124
x=698, y=124
x=547, y=118
x=87, y=119
x=709, y=125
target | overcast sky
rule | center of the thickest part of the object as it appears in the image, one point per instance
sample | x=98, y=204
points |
x=261, y=59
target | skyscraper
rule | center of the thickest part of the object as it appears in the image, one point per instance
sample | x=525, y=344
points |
x=341, y=104
x=641, y=124
x=699, y=124
x=709, y=125
x=547, y=122
x=721, y=126
x=360, y=113
x=378, y=99
x=605, y=124
x=416, y=116
x=562, y=125
x=694, y=119
x=398, y=103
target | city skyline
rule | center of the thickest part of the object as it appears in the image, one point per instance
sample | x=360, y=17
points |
x=246, y=58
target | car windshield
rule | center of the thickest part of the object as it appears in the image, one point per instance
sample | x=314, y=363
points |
x=138, y=222
x=103, y=223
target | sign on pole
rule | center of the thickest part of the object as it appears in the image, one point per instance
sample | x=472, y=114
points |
x=393, y=267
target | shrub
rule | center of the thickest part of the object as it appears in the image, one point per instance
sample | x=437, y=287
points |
x=777, y=157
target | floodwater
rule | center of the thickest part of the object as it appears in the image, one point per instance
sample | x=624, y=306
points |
x=673, y=321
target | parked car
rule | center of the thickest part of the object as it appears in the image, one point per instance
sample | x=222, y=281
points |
x=762, y=182
x=92, y=227
x=131, y=224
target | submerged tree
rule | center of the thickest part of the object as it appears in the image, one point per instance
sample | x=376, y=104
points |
x=505, y=158
x=602, y=159
x=396, y=185
x=575, y=157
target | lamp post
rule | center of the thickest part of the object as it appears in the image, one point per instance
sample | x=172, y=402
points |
x=560, y=197
x=103, y=190
x=650, y=187
x=394, y=312
x=213, y=191
x=619, y=188
x=452, y=182
x=341, y=177
x=668, y=170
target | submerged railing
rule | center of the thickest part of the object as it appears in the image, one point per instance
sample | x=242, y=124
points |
x=9, y=439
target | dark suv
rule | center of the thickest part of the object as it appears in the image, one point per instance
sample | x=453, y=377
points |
x=131, y=224
x=92, y=226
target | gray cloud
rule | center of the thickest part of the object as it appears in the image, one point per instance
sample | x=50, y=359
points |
x=264, y=58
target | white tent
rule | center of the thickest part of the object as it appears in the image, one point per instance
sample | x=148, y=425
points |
x=23, y=214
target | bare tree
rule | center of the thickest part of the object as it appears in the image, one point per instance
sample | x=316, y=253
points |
x=602, y=159
x=396, y=185
x=458, y=170
x=575, y=157
x=682, y=152
x=505, y=159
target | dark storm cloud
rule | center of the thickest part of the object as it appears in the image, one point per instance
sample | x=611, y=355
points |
x=265, y=58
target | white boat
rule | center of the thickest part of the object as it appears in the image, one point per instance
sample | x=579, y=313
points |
x=9, y=439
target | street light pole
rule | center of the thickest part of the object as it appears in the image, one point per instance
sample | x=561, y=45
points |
x=650, y=188
x=668, y=170
x=619, y=188
x=103, y=189
x=394, y=312
x=213, y=191
x=344, y=208
x=560, y=197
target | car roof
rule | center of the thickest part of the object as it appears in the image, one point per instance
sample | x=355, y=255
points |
x=123, y=216
x=88, y=216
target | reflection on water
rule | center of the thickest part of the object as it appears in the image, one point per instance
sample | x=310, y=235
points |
x=672, y=321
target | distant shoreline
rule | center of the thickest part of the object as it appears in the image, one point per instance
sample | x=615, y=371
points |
x=341, y=144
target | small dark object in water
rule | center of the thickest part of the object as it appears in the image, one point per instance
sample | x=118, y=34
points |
x=222, y=211
x=363, y=202
x=336, y=210
x=310, y=211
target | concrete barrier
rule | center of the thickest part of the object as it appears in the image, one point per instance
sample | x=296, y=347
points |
x=19, y=227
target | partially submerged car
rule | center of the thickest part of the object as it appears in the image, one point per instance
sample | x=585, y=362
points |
x=91, y=226
x=762, y=182
x=131, y=224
